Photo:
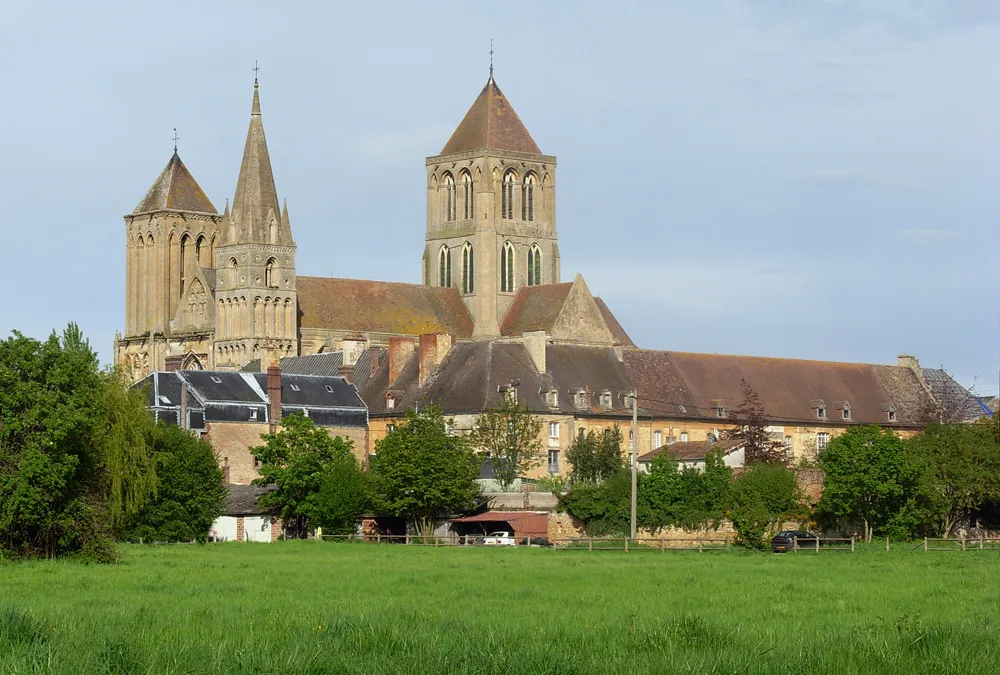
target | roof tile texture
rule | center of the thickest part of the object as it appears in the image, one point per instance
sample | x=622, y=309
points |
x=491, y=123
x=176, y=190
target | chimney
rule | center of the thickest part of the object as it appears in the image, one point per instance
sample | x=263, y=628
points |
x=346, y=372
x=173, y=363
x=274, y=393
x=433, y=348
x=182, y=414
x=534, y=344
x=906, y=361
x=374, y=361
x=354, y=347
x=400, y=350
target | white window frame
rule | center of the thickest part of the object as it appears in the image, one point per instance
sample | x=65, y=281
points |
x=822, y=441
x=657, y=439
x=553, y=461
x=684, y=437
x=554, y=431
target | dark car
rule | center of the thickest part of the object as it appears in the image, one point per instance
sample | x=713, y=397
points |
x=785, y=540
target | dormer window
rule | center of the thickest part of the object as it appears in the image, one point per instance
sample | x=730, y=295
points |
x=891, y=415
x=821, y=413
x=718, y=406
x=390, y=402
x=720, y=411
x=580, y=399
x=847, y=413
x=606, y=400
x=890, y=411
x=819, y=406
x=552, y=398
x=253, y=413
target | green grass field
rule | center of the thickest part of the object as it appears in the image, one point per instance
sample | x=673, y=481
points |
x=313, y=607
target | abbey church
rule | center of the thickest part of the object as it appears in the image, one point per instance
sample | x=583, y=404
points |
x=213, y=291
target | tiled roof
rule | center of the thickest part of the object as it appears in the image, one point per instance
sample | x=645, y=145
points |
x=381, y=307
x=175, y=190
x=491, y=123
x=788, y=388
x=957, y=403
x=535, y=308
x=241, y=500
x=691, y=450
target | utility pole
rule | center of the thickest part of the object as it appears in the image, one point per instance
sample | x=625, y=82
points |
x=635, y=457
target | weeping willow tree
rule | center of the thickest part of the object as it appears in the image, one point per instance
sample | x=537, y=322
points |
x=128, y=479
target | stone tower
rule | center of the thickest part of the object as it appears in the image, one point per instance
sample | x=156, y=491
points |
x=491, y=211
x=170, y=243
x=255, y=300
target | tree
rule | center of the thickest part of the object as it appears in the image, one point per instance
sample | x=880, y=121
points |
x=763, y=497
x=300, y=460
x=687, y=498
x=750, y=428
x=605, y=508
x=71, y=465
x=510, y=436
x=595, y=457
x=344, y=495
x=420, y=471
x=867, y=479
x=961, y=465
x=190, y=491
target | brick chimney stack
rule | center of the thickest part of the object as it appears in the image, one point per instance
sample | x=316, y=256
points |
x=173, y=363
x=346, y=372
x=400, y=351
x=433, y=348
x=274, y=393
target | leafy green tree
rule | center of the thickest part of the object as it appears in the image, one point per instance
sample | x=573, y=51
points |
x=750, y=428
x=420, y=471
x=510, y=434
x=72, y=468
x=961, y=470
x=344, y=495
x=190, y=492
x=304, y=464
x=605, y=508
x=595, y=456
x=868, y=480
x=687, y=498
x=763, y=497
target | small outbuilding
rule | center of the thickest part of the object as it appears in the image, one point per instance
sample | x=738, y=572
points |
x=521, y=524
x=244, y=519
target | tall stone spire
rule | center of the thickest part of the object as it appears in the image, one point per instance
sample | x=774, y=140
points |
x=255, y=204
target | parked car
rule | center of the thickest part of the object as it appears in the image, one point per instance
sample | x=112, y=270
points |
x=785, y=540
x=499, y=539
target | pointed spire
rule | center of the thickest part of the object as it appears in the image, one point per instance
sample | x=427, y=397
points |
x=285, y=223
x=256, y=199
x=491, y=123
x=226, y=213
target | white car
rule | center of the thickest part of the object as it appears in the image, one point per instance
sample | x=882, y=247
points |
x=499, y=539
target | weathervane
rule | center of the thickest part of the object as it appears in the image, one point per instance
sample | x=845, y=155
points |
x=176, y=138
x=256, y=69
x=491, y=58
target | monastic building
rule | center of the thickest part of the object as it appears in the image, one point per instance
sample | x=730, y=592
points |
x=219, y=291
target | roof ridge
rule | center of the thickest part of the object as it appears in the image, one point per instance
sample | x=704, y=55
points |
x=768, y=358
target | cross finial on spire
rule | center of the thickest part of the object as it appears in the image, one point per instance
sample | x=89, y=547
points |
x=176, y=138
x=256, y=69
x=491, y=58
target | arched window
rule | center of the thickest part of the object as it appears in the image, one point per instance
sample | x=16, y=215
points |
x=468, y=269
x=449, y=190
x=269, y=280
x=507, y=195
x=468, y=196
x=507, y=268
x=534, y=265
x=272, y=230
x=444, y=267
x=185, y=241
x=528, y=197
x=199, y=251
x=234, y=272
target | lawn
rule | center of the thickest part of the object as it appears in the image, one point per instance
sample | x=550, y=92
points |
x=313, y=607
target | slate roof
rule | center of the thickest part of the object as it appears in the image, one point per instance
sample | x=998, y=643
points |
x=175, y=189
x=225, y=396
x=360, y=306
x=619, y=334
x=691, y=450
x=491, y=123
x=665, y=381
x=241, y=500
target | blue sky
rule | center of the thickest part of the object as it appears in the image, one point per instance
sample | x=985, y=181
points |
x=811, y=179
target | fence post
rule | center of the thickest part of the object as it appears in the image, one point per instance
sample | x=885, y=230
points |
x=699, y=546
x=407, y=538
x=817, y=543
x=626, y=544
x=887, y=544
x=590, y=544
x=663, y=545
x=963, y=543
x=795, y=544
x=925, y=543
x=529, y=541
x=378, y=537
x=852, y=543
x=980, y=542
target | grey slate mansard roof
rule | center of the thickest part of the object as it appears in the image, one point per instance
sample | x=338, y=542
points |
x=223, y=396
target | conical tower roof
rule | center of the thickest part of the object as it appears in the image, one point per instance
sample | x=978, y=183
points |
x=175, y=190
x=256, y=199
x=491, y=123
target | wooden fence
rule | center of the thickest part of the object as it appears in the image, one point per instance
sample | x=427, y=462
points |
x=962, y=544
